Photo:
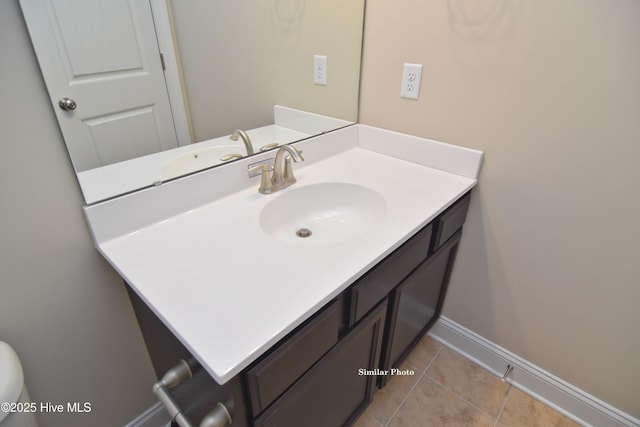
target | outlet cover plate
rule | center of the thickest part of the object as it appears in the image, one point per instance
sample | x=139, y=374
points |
x=411, y=78
x=320, y=69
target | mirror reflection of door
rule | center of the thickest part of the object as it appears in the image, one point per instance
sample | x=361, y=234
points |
x=102, y=68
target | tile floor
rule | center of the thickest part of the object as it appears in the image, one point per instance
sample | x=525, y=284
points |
x=450, y=390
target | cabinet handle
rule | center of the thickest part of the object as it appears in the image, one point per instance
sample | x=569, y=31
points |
x=217, y=417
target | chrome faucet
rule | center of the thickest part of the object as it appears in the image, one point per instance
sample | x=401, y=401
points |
x=245, y=138
x=282, y=175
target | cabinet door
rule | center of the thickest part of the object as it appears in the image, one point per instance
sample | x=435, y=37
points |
x=417, y=302
x=336, y=390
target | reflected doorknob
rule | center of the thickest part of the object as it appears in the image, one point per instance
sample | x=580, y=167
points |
x=67, y=104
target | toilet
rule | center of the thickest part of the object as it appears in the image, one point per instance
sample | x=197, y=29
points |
x=13, y=393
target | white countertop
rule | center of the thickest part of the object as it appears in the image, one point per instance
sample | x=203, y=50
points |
x=229, y=291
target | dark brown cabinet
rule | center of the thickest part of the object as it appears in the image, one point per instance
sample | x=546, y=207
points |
x=273, y=374
x=416, y=303
x=336, y=390
x=449, y=222
x=381, y=279
x=324, y=372
x=415, y=278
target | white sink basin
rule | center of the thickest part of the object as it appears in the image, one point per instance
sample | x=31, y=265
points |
x=197, y=160
x=322, y=213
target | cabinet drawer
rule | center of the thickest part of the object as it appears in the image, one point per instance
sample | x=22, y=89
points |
x=274, y=374
x=335, y=391
x=449, y=222
x=380, y=280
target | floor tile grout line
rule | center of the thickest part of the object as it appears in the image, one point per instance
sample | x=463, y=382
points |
x=434, y=358
x=451, y=390
x=415, y=385
x=404, y=399
x=376, y=421
x=461, y=397
x=504, y=404
x=424, y=373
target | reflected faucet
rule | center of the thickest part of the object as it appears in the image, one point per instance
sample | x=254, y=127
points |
x=245, y=138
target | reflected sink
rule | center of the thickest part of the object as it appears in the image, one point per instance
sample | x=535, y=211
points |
x=322, y=213
x=197, y=160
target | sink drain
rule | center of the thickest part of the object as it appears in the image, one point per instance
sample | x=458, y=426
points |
x=303, y=232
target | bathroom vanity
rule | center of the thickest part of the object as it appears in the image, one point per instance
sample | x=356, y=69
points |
x=295, y=331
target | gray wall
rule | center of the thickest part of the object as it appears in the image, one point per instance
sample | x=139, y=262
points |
x=550, y=91
x=62, y=308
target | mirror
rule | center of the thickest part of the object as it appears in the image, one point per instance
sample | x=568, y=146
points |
x=255, y=66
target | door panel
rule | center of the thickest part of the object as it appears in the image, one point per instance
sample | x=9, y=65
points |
x=111, y=134
x=97, y=36
x=104, y=56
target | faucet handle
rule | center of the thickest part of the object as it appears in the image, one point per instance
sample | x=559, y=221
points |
x=269, y=146
x=266, y=186
x=288, y=176
x=229, y=157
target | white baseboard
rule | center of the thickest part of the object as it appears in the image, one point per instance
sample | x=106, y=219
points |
x=549, y=389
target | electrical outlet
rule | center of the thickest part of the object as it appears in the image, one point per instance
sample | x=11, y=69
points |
x=320, y=69
x=411, y=77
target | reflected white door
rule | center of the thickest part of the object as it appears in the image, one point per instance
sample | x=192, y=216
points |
x=102, y=56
